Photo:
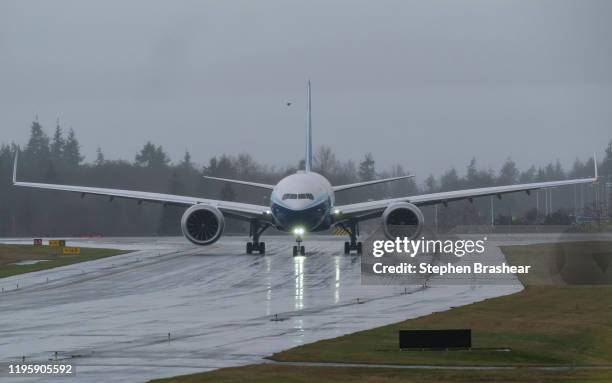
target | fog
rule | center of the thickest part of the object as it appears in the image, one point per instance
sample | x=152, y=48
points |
x=424, y=84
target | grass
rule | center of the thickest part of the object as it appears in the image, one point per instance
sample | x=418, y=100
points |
x=11, y=254
x=542, y=325
x=552, y=325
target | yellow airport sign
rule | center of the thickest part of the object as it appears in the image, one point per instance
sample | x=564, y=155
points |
x=71, y=250
x=57, y=242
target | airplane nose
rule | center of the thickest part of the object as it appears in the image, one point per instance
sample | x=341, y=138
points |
x=307, y=218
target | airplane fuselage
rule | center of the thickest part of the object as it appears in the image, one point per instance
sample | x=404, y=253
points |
x=302, y=200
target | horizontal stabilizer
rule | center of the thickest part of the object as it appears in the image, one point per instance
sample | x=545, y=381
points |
x=366, y=183
x=253, y=184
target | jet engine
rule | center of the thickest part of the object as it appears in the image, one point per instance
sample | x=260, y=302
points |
x=202, y=225
x=402, y=220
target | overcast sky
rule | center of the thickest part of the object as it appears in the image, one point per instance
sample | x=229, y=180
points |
x=426, y=84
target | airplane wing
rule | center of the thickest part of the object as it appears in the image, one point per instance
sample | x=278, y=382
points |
x=234, y=209
x=360, y=184
x=372, y=209
x=254, y=184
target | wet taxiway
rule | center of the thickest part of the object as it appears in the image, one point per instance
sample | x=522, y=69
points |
x=170, y=308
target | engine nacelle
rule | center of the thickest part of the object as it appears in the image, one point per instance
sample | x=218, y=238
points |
x=202, y=225
x=402, y=219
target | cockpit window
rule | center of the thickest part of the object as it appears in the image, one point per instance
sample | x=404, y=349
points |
x=298, y=196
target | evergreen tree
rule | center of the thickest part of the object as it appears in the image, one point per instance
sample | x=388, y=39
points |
x=57, y=145
x=152, y=156
x=37, y=151
x=430, y=184
x=472, y=174
x=211, y=169
x=186, y=162
x=579, y=170
x=226, y=168
x=554, y=172
x=475, y=178
x=5, y=155
x=99, y=157
x=559, y=173
x=528, y=175
x=449, y=180
x=508, y=174
x=607, y=162
x=541, y=175
x=72, y=150
x=223, y=167
x=367, y=170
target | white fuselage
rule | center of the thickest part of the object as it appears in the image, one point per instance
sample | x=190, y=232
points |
x=303, y=199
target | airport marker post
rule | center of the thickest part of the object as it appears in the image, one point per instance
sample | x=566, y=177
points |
x=57, y=242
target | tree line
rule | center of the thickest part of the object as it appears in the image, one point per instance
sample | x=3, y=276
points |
x=58, y=159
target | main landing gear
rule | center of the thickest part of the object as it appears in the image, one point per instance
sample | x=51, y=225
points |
x=352, y=228
x=256, y=229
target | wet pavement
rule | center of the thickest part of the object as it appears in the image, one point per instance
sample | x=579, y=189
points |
x=171, y=308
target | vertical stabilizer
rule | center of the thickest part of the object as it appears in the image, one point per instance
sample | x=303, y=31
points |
x=308, y=161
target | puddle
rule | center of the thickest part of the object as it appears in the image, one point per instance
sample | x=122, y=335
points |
x=29, y=262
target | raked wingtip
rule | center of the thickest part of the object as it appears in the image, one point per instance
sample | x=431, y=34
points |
x=595, y=166
x=15, y=167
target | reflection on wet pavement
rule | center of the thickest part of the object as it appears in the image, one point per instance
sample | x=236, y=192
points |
x=216, y=303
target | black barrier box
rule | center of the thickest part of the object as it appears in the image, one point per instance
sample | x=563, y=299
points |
x=461, y=338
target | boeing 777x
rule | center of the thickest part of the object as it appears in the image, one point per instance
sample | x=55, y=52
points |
x=303, y=202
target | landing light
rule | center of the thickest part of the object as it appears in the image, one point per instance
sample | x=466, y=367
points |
x=298, y=231
x=336, y=211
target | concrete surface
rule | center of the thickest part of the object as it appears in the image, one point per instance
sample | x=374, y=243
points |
x=111, y=317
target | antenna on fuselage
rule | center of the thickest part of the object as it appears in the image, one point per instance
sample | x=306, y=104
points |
x=308, y=161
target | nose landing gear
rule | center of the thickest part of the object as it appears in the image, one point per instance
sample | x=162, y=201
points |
x=298, y=249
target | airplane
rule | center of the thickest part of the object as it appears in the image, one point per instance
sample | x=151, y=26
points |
x=301, y=203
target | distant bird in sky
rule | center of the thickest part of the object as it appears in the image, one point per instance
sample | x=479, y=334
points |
x=289, y=103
